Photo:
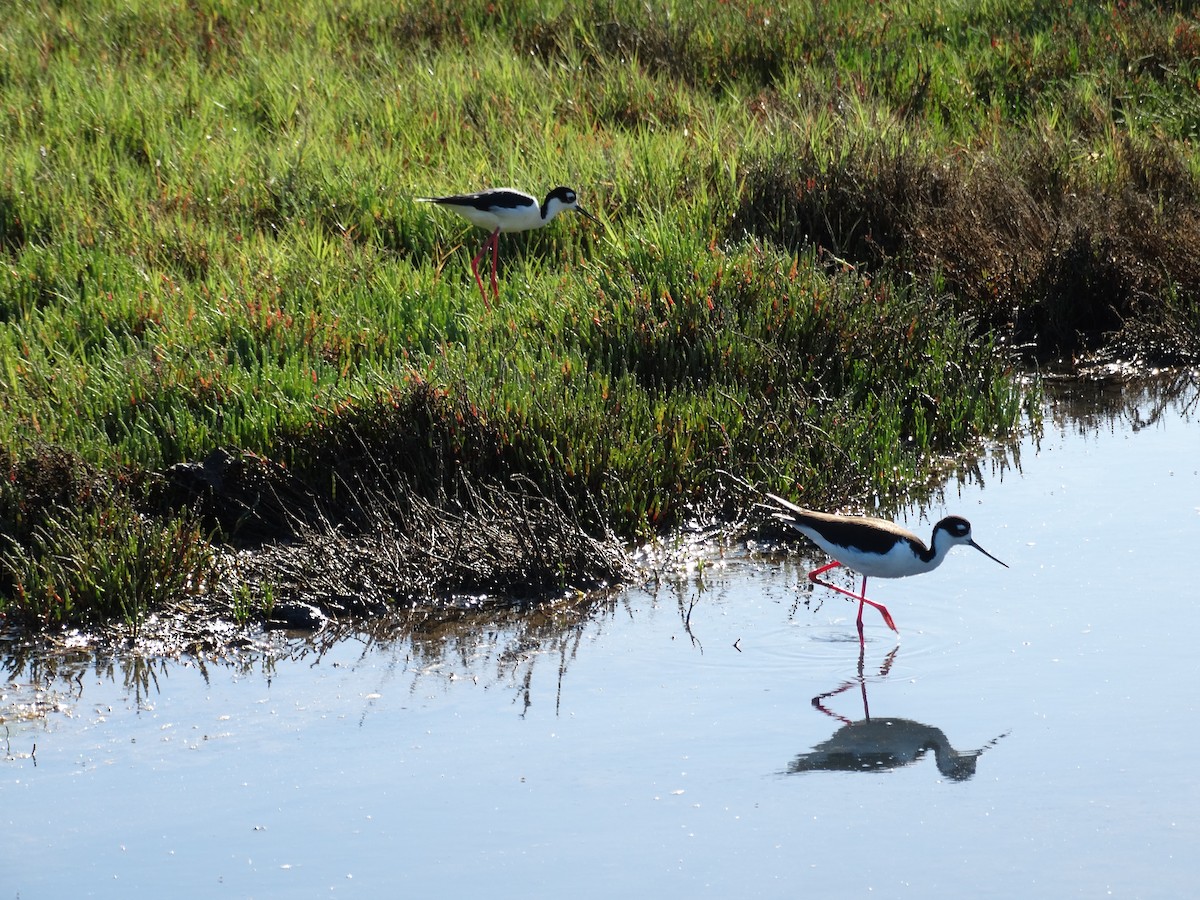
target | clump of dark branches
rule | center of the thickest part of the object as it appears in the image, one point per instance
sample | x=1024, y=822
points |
x=484, y=541
x=399, y=504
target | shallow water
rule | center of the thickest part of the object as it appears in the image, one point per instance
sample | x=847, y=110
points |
x=665, y=742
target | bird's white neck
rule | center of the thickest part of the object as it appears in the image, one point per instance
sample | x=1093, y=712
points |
x=552, y=208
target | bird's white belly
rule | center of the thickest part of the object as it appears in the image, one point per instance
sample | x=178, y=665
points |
x=899, y=562
x=523, y=219
x=481, y=218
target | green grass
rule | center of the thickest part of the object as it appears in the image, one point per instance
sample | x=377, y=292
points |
x=98, y=564
x=825, y=228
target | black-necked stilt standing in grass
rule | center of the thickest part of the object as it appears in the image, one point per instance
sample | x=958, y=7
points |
x=506, y=209
x=875, y=548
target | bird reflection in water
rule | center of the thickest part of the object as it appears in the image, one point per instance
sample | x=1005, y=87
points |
x=882, y=744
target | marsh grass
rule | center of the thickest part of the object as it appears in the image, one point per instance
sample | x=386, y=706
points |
x=826, y=228
x=103, y=563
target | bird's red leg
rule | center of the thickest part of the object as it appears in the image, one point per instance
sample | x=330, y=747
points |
x=475, y=266
x=495, y=250
x=887, y=616
x=812, y=576
x=861, y=597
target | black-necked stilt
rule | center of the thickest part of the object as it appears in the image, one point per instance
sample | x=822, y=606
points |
x=875, y=548
x=506, y=209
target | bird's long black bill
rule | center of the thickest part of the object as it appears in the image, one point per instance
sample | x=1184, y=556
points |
x=988, y=555
x=585, y=213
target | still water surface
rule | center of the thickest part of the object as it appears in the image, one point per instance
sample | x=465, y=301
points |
x=1033, y=730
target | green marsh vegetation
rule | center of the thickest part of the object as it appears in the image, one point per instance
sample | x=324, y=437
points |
x=835, y=236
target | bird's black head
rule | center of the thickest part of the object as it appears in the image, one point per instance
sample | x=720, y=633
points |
x=563, y=198
x=955, y=526
x=958, y=531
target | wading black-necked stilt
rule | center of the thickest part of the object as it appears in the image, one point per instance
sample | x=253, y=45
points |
x=875, y=548
x=506, y=209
